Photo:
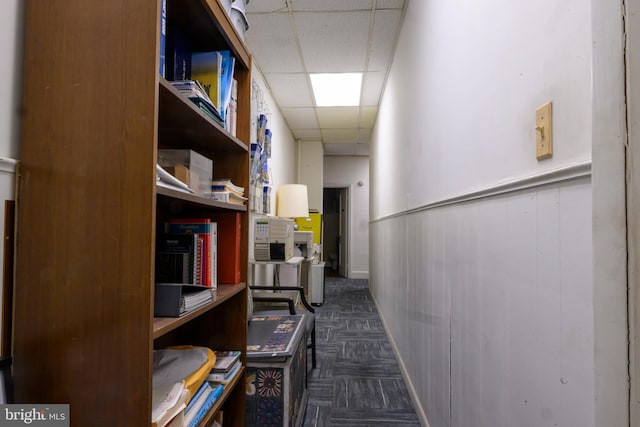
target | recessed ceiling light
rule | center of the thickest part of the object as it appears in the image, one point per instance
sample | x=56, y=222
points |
x=336, y=89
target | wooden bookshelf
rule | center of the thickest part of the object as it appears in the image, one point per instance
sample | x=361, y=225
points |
x=95, y=114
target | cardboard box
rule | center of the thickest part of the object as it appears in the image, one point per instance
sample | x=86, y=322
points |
x=200, y=168
x=179, y=171
x=312, y=223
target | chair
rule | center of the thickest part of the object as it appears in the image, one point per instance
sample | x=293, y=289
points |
x=272, y=300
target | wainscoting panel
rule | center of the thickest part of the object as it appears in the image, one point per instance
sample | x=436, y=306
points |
x=489, y=305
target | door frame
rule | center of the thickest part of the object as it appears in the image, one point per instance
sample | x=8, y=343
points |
x=344, y=220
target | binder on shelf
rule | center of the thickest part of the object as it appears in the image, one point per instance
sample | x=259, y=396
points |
x=177, y=299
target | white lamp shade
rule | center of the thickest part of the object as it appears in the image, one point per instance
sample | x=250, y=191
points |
x=292, y=201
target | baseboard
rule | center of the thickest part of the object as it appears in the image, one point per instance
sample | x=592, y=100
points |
x=422, y=416
x=359, y=275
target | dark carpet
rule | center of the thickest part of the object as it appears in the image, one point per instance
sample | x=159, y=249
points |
x=357, y=381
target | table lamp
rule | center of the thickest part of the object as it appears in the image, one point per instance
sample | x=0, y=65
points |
x=292, y=202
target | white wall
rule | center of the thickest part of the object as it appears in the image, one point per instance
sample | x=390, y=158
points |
x=460, y=102
x=284, y=149
x=283, y=161
x=346, y=172
x=311, y=171
x=482, y=257
x=11, y=50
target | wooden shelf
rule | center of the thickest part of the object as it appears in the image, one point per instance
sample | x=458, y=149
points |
x=181, y=123
x=197, y=200
x=90, y=212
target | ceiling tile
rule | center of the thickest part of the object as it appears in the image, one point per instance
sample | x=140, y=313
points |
x=266, y=6
x=383, y=39
x=307, y=134
x=368, y=117
x=333, y=42
x=300, y=118
x=338, y=117
x=340, y=136
x=339, y=149
x=330, y=5
x=364, y=136
x=271, y=42
x=389, y=4
x=290, y=89
x=372, y=86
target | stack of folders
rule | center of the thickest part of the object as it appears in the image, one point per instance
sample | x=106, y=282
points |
x=201, y=403
x=226, y=368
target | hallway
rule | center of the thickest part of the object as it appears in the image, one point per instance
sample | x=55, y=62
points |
x=357, y=381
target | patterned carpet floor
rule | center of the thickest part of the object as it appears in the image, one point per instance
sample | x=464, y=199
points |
x=357, y=381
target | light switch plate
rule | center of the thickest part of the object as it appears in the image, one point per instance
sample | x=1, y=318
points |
x=544, y=132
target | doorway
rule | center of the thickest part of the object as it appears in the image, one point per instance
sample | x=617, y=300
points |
x=335, y=205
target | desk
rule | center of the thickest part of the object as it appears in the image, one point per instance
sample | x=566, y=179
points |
x=295, y=261
x=276, y=369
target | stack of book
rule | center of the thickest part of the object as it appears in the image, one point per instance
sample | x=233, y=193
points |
x=194, y=90
x=214, y=70
x=177, y=299
x=187, y=252
x=201, y=403
x=223, y=190
x=227, y=367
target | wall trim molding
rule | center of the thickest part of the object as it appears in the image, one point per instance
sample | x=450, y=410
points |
x=8, y=164
x=408, y=379
x=554, y=176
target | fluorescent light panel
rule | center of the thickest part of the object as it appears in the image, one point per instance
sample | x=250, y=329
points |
x=336, y=89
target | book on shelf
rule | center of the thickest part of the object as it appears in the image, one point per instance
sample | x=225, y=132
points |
x=177, y=258
x=227, y=183
x=178, y=299
x=178, y=50
x=203, y=401
x=197, y=94
x=225, y=360
x=228, y=197
x=230, y=242
x=232, y=120
x=207, y=230
x=206, y=68
x=163, y=38
x=167, y=401
x=226, y=82
x=225, y=378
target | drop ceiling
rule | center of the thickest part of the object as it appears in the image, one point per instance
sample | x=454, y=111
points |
x=291, y=38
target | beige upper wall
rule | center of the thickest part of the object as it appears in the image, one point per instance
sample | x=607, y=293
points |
x=311, y=171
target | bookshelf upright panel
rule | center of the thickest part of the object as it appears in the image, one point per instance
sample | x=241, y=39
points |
x=88, y=209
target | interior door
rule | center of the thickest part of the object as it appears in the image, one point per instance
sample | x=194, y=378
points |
x=343, y=233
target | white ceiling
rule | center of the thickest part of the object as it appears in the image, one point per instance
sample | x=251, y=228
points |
x=291, y=38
